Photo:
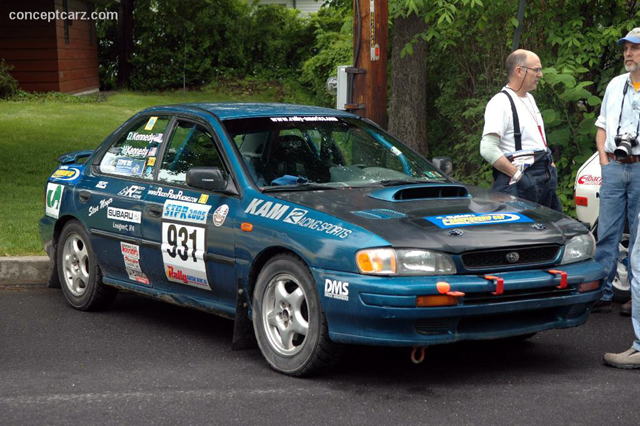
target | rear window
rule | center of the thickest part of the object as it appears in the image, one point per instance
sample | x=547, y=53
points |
x=134, y=153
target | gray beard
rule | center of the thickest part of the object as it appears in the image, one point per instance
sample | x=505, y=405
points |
x=631, y=68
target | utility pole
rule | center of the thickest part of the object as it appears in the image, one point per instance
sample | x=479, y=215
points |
x=370, y=41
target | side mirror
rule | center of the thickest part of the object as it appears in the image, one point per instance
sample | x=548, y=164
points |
x=207, y=178
x=444, y=164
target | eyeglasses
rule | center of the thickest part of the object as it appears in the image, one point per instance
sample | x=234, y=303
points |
x=536, y=70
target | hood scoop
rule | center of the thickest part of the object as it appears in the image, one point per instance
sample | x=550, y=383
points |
x=379, y=214
x=421, y=192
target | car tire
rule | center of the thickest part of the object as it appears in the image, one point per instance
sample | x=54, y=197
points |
x=80, y=276
x=288, y=321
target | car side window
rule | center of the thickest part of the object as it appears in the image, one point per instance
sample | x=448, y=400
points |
x=134, y=153
x=190, y=145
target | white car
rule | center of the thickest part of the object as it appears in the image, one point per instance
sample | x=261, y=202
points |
x=587, y=199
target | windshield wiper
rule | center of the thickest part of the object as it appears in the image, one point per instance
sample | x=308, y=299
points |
x=307, y=186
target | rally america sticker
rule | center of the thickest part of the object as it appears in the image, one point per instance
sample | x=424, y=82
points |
x=131, y=256
x=53, y=199
x=183, y=252
x=472, y=219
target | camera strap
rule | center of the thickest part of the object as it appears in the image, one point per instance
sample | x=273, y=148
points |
x=624, y=95
x=517, y=136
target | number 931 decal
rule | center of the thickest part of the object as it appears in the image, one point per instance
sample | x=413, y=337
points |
x=183, y=249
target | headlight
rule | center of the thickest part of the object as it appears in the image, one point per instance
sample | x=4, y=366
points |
x=386, y=261
x=579, y=248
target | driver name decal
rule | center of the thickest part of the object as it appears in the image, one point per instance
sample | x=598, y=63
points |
x=472, y=219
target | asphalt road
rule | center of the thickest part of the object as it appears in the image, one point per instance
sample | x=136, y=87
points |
x=145, y=362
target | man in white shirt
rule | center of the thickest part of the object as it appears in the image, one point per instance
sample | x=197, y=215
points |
x=513, y=139
x=618, y=124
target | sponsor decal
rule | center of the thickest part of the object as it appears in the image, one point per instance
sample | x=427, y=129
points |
x=123, y=227
x=297, y=217
x=124, y=215
x=151, y=137
x=220, y=215
x=302, y=119
x=130, y=151
x=102, y=184
x=183, y=250
x=153, y=151
x=131, y=256
x=590, y=180
x=126, y=166
x=203, y=199
x=101, y=205
x=53, y=199
x=472, y=219
x=151, y=161
x=151, y=123
x=186, y=212
x=172, y=195
x=133, y=191
x=336, y=289
x=66, y=174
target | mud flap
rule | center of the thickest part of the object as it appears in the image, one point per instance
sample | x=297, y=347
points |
x=243, y=335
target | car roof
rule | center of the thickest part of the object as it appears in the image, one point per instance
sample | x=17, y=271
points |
x=232, y=110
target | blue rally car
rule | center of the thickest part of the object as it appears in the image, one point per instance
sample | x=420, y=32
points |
x=312, y=226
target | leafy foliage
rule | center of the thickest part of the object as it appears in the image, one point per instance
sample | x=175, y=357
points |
x=8, y=84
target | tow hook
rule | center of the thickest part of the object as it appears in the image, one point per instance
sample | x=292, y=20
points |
x=421, y=357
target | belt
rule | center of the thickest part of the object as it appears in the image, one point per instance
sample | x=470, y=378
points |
x=627, y=159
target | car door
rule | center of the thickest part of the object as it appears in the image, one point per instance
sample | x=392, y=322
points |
x=192, y=229
x=110, y=198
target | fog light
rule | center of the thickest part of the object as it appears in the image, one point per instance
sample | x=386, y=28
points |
x=590, y=286
x=439, y=300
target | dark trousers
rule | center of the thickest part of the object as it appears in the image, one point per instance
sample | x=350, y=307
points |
x=538, y=184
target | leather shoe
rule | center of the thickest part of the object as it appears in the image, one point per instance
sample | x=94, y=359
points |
x=625, y=310
x=627, y=359
x=602, y=306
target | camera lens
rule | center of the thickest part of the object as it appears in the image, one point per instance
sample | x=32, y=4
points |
x=622, y=151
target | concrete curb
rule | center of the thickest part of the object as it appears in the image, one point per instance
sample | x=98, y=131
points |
x=27, y=270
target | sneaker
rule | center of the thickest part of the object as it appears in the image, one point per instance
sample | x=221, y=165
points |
x=602, y=306
x=627, y=359
x=625, y=310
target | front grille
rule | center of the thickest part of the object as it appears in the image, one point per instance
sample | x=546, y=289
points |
x=517, y=295
x=432, y=326
x=493, y=258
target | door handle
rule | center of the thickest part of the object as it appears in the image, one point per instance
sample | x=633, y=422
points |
x=154, y=210
x=84, y=196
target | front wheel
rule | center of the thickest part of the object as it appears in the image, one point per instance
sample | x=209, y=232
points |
x=78, y=270
x=290, y=327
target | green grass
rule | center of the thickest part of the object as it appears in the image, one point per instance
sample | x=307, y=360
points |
x=36, y=131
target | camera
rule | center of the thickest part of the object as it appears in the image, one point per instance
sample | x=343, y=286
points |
x=624, y=143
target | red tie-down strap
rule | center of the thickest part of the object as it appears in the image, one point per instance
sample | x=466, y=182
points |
x=499, y=284
x=563, y=277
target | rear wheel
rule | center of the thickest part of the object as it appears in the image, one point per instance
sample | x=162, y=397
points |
x=290, y=327
x=80, y=276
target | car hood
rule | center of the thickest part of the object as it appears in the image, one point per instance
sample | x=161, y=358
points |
x=445, y=217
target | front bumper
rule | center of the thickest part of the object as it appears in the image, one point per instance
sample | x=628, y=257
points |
x=382, y=310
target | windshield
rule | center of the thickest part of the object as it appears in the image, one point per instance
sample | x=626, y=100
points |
x=332, y=151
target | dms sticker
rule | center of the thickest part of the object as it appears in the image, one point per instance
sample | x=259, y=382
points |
x=66, y=174
x=472, y=219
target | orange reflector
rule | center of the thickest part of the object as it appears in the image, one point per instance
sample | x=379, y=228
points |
x=582, y=201
x=439, y=300
x=590, y=286
x=246, y=227
x=443, y=287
